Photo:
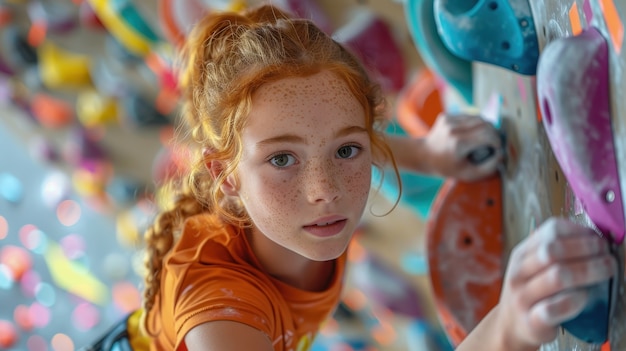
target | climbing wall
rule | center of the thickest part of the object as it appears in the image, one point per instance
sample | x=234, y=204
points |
x=88, y=105
x=557, y=22
x=568, y=46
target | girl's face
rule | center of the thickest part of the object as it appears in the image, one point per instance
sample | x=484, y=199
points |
x=305, y=173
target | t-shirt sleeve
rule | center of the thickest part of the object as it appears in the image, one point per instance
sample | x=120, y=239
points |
x=216, y=293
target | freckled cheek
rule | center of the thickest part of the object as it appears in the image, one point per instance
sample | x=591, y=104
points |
x=279, y=192
x=357, y=181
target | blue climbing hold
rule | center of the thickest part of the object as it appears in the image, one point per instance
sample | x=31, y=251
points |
x=455, y=71
x=11, y=188
x=497, y=32
x=592, y=324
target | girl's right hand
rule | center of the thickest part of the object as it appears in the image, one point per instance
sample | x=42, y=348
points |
x=545, y=281
x=453, y=138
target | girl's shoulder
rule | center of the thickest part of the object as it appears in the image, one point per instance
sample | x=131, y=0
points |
x=207, y=226
x=205, y=238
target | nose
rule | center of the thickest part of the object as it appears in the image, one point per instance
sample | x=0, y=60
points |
x=322, y=183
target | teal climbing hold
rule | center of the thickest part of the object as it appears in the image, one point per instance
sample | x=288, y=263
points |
x=457, y=72
x=497, y=32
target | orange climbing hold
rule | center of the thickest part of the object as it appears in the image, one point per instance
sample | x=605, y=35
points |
x=51, y=112
x=465, y=242
x=8, y=335
x=420, y=104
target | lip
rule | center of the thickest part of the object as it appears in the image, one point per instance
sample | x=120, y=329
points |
x=327, y=219
x=320, y=229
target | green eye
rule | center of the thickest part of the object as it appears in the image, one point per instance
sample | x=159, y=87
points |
x=348, y=151
x=282, y=160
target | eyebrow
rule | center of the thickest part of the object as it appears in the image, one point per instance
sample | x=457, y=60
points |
x=291, y=138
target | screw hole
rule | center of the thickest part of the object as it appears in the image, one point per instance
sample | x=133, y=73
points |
x=556, y=176
x=490, y=202
x=506, y=45
x=493, y=5
x=523, y=23
x=547, y=112
x=467, y=241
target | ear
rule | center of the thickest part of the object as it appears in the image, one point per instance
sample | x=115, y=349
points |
x=229, y=187
x=215, y=168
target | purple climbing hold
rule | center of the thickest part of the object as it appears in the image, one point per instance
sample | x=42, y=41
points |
x=387, y=288
x=82, y=146
x=575, y=102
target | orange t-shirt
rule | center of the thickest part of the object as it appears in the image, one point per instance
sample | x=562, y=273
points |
x=211, y=274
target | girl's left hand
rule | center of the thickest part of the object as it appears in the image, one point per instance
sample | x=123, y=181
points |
x=548, y=278
x=546, y=283
x=454, y=139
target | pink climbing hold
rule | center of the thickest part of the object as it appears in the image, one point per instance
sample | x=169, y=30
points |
x=309, y=9
x=387, y=288
x=574, y=99
x=8, y=335
x=370, y=38
x=88, y=18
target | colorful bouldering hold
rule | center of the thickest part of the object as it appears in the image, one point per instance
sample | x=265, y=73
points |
x=497, y=32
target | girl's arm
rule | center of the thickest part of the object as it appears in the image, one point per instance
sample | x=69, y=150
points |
x=444, y=150
x=227, y=336
x=544, y=286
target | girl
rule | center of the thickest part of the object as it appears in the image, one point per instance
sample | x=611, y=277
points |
x=251, y=253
